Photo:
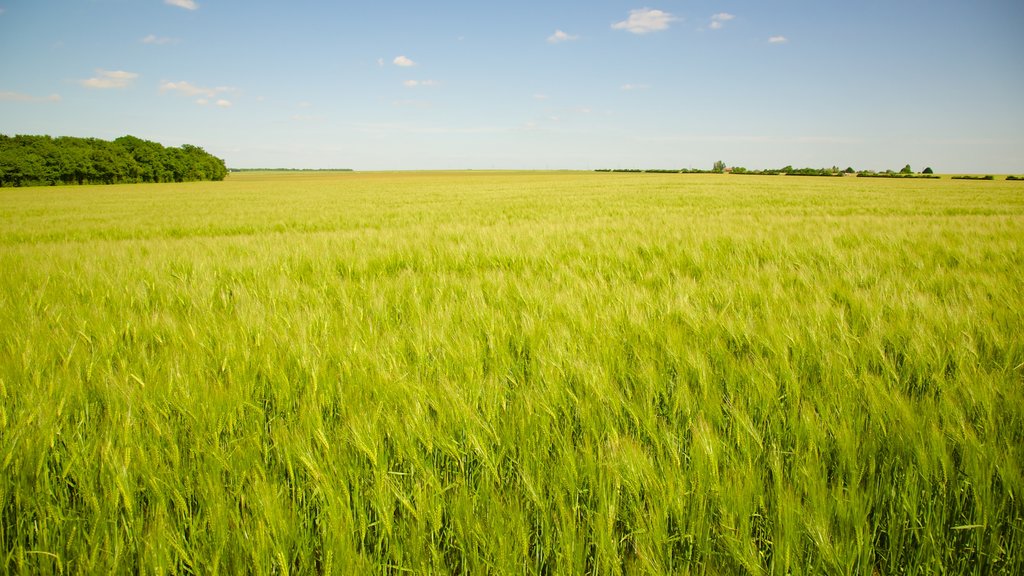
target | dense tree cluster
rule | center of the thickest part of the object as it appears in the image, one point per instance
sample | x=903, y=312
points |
x=48, y=161
x=969, y=177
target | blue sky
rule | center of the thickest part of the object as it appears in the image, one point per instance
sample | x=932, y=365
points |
x=528, y=84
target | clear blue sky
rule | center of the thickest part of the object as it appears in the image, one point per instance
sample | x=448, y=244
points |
x=529, y=84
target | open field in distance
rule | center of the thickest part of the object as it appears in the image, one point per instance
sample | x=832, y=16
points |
x=507, y=373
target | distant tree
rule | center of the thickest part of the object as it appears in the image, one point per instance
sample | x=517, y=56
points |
x=42, y=161
x=927, y=170
x=907, y=170
x=849, y=170
x=719, y=167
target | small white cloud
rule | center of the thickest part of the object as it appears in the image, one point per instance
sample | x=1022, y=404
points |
x=631, y=87
x=645, y=20
x=560, y=36
x=186, y=4
x=189, y=89
x=222, y=103
x=159, y=40
x=719, y=20
x=19, y=97
x=105, y=79
x=540, y=97
x=403, y=62
x=415, y=83
x=380, y=62
x=778, y=40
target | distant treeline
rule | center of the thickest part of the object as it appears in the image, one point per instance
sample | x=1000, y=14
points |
x=834, y=171
x=48, y=161
x=289, y=169
x=870, y=174
x=658, y=171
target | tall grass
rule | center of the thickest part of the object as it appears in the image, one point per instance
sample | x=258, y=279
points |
x=545, y=373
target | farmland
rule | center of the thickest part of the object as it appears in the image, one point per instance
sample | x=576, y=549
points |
x=513, y=372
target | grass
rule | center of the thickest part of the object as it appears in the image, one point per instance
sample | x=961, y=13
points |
x=544, y=373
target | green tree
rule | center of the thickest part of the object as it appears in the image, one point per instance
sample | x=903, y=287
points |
x=42, y=160
x=927, y=170
x=907, y=170
x=719, y=167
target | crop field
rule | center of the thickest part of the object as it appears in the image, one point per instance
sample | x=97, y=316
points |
x=513, y=373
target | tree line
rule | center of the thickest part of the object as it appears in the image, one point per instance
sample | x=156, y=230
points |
x=720, y=167
x=47, y=161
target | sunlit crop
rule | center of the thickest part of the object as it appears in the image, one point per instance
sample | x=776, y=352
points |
x=509, y=373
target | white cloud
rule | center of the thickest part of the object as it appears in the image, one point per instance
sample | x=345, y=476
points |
x=154, y=39
x=19, y=97
x=189, y=89
x=719, y=20
x=186, y=4
x=631, y=87
x=778, y=40
x=403, y=62
x=540, y=97
x=645, y=20
x=221, y=103
x=109, y=79
x=560, y=36
x=415, y=83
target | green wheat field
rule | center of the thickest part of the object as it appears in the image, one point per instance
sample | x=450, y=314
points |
x=513, y=373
